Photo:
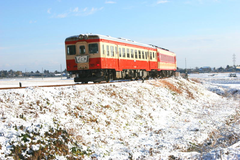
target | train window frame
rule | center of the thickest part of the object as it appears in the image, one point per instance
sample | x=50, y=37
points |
x=71, y=51
x=112, y=51
x=136, y=55
x=120, y=55
x=128, y=54
x=139, y=54
x=107, y=50
x=93, y=48
x=132, y=56
x=143, y=55
x=80, y=49
x=153, y=56
x=123, y=50
x=150, y=55
x=103, y=49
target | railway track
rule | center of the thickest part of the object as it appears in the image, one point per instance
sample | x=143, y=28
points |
x=59, y=85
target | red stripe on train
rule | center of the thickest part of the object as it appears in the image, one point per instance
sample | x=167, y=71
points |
x=117, y=64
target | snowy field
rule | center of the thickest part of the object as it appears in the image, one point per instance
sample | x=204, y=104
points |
x=27, y=82
x=220, y=83
x=170, y=118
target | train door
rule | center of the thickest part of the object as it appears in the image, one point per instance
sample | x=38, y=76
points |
x=115, y=58
x=82, y=56
x=148, y=59
x=103, y=55
x=159, y=59
x=118, y=55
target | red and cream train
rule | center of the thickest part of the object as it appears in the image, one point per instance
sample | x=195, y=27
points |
x=93, y=57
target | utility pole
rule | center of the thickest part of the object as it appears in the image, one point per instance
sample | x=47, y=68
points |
x=186, y=75
x=25, y=74
x=185, y=65
x=234, y=59
x=61, y=70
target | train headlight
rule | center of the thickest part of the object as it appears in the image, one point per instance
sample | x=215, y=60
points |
x=80, y=36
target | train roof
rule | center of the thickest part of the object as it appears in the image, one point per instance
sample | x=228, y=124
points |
x=123, y=40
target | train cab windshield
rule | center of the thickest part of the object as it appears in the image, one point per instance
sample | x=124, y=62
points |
x=93, y=48
x=71, y=50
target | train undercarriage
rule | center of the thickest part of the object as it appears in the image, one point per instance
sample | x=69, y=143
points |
x=98, y=75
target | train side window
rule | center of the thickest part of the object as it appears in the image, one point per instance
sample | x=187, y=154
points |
x=82, y=50
x=107, y=50
x=93, y=48
x=146, y=55
x=150, y=55
x=103, y=49
x=123, y=50
x=120, y=55
x=131, y=53
x=153, y=55
x=142, y=54
x=139, y=54
x=71, y=50
x=135, y=54
x=115, y=49
x=112, y=51
x=128, y=53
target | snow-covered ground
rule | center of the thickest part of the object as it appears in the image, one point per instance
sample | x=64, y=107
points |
x=169, y=118
x=25, y=82
x=220, y=83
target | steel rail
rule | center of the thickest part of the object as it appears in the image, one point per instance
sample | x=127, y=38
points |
x=58, y=85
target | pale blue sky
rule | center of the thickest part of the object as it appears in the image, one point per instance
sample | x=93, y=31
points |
x=205, y=32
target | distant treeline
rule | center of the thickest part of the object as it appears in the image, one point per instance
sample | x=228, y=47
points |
x=209, y=69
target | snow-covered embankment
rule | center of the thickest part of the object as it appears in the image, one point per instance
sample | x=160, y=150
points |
x=169, y=118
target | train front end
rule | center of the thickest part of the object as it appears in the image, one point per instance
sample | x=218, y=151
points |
x=83, y=58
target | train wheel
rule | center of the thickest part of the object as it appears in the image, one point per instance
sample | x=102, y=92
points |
x=85, y=82
x=96, y=81
x=110, y=78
